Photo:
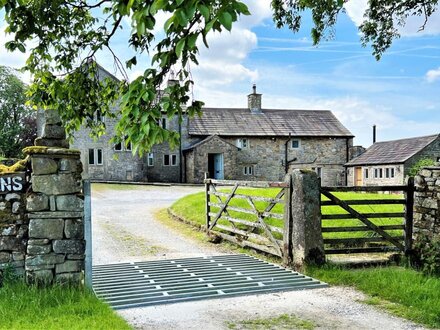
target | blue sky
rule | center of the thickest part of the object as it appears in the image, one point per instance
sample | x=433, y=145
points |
x=400, y=93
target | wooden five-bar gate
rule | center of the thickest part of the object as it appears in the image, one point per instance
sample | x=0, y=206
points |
x=246, y=219
x=261, y=218
x=361, y=225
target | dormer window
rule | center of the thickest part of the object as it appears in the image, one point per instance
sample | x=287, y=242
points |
x=295, y=144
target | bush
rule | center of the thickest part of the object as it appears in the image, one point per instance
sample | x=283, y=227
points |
x=428, y=256
x=424, y=162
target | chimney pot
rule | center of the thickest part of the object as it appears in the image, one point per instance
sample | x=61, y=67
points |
x=374, y=134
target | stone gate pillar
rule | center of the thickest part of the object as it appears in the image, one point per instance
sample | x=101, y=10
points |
x=54, y=206
x=307, y=242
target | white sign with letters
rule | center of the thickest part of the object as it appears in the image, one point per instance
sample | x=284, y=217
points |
x=12, y=183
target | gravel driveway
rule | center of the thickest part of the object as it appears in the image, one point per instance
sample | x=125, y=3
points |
x=124, y=229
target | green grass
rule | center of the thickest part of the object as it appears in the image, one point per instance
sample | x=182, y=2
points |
x=401, y=291
x=30, y=307
x=283, y=321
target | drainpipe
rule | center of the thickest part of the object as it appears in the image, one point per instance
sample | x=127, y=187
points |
x=347, y=159
x=180, y=153
x=286, y=145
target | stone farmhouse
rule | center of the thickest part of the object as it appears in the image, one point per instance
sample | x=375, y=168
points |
x=251, y=143
x=389, y=162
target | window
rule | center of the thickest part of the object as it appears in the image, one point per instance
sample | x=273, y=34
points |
x=95, y=156
x=248, y=170
x=163, y=123
x=392, y=172
x=118, y=146
x=150, y=161
x=173, y=160
x=294, y=144
x=123, y=145
x=366, y=173
x=169, y=160
x=387, y=172
x=378, y=173
x=242, y=143
x=166, y=160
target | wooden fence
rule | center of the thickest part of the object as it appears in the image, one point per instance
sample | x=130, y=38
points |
x=369, y=231
x=245, y=219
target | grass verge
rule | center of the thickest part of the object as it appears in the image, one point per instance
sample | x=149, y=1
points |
x=59, y=307
x=283, y=321
x=403, y=292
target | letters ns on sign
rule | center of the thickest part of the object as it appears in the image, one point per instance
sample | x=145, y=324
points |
x=12, y=183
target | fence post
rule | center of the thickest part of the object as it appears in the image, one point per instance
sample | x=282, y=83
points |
x=88, y=233
x=207, y=200
x=409, y=214
x=288, y=223
x=307, y=241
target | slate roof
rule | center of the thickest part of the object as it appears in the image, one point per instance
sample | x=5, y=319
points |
x=393, y=152
x=241, y=122
x=209, y=138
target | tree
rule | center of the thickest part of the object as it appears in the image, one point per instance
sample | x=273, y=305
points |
x=17, y=121
x=68, y=34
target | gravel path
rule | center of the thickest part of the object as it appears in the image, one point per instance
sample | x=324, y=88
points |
x=124, y=229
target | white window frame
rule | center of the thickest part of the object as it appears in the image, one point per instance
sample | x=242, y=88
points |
x=392, y=172
x=248, y=170
x=243, y=143
x=95, y=156
x=295, y=140
x=150, y=159
x=164, y=122
x=118, y=144
x=366, y=174
x=173, y=159
x=169, y=160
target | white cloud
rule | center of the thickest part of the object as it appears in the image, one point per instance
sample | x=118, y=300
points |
x=356, y=9
x=223, y=63
x=14, y=60
x=433, y=75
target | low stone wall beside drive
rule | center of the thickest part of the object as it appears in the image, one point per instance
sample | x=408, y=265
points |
x=427, y=204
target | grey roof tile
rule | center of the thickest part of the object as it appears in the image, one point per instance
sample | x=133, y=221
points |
x=271, y=122
x=393, y=152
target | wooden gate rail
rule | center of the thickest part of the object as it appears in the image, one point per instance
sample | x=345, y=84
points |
x=265, y=240
x=399, y=243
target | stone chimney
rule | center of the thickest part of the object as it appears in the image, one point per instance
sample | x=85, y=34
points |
x=254, y=101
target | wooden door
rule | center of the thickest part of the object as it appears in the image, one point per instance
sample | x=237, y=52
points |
x=358, y=176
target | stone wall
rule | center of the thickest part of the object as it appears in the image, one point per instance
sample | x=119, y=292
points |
x=13, y=232
x=427, y=204
x=42, y=221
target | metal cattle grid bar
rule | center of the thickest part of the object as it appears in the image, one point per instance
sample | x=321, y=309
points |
x=149, y=283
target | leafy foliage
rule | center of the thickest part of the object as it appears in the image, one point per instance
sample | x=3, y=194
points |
x=70, y=32
x=380, y=27
x=419, y=165
x=17, y=121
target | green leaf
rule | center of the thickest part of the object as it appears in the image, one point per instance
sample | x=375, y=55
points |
x=168, y=23
x=226, y=20
x=192, y=39
x=179, y=47
x=203, y=10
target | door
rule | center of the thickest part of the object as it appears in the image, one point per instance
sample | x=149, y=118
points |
x=215, y=166
x=358, y=176
x=218, y=166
